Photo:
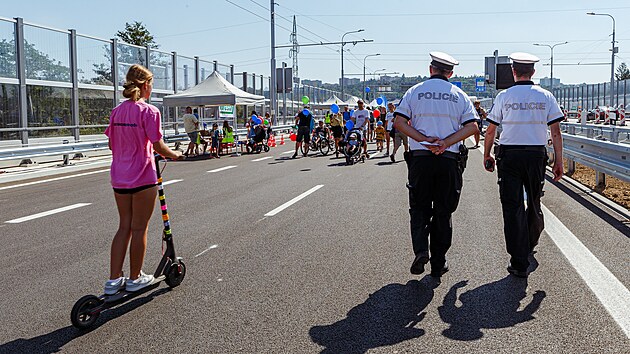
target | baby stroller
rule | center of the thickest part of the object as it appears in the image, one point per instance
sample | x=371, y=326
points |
x=352, y=147
x=257, y=143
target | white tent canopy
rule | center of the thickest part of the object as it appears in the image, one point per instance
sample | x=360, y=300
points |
x=214, y=91
x=332, y=100
x=352, y=101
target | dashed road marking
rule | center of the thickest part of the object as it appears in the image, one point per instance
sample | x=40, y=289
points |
x=206, y=250
x=294, y=200
x=171, y=181
x=263, y=158
x=221, y=169
x=46, y=213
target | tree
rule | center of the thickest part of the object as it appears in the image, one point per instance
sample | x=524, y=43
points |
x=135, y=33
x=623, y=73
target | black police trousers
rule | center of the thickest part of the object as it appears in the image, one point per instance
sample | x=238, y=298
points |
x=518, y=170
x=435, y=184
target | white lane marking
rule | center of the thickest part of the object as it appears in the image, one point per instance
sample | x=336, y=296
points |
x=221, y=169
x=294, y=200
x=288, y=152
x=46, y=213
x=207, y=249
x=612, y=294
x=607, y=288
x=52, y=179
x=263, y=158
x=171, y=182
x=372, y=155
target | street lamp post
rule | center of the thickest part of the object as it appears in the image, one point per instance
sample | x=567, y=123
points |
x=367, y=56
x=551, y=47
x=612, y=60
x=342, y=44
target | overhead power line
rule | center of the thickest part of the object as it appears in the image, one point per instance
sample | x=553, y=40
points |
x=472, y=13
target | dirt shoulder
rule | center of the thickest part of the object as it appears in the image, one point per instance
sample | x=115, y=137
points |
x=616, y=190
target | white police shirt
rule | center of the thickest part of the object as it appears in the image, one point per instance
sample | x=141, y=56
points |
x=436, y=108
x=360, y=116
x=524, y=111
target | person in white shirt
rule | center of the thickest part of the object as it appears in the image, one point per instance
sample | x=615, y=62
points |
x=389, y=122
x=524, y=111
x=361, y=117
x=441, y=116
x=191, y=127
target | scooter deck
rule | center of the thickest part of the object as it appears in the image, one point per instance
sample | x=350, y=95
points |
x=124, y=295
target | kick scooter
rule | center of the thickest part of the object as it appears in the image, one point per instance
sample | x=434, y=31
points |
x=171, y=270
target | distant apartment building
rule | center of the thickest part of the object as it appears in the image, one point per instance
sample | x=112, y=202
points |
x=545, y=81
x=312, y=82
x=348, y=81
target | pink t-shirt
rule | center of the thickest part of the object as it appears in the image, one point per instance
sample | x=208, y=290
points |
x=133, y=128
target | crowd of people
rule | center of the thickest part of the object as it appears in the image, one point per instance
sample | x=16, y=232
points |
x=372, y=126
x=198, y=135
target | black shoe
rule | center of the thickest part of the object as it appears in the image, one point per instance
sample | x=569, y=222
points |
x=439, y=272
x=294, y=155
x=391, y=157
x=417, y=267
x=304, y=154
x=516, y=272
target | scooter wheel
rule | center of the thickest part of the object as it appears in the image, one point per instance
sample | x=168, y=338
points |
x=266, y=148
x=176, y=274
x=82, y=315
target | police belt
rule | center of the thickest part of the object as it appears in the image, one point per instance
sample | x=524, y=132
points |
x=447, y=154
x=533, y=148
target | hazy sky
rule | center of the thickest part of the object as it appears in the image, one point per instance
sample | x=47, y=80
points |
x=403, y=31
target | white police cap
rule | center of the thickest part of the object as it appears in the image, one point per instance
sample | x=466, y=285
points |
x=524, y=58
x=443, y=60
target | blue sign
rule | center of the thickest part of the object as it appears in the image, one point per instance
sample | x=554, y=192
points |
x=457, y=83
x=480, y=85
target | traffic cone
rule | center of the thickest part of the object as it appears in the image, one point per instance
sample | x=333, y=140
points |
x=272, y=141
x=282, y=139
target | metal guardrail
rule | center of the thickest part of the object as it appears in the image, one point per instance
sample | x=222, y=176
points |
x=65, y=150
x=605, y=157
x=52, y=150
x=612, y=133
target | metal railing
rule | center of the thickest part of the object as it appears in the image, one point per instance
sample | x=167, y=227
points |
x=612, y=133
x=65, y=150
x=600, y=150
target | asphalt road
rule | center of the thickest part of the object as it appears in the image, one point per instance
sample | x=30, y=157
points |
x=327, y=274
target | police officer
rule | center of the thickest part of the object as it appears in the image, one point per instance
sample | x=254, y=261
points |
x=523, y=111
x=437, y=117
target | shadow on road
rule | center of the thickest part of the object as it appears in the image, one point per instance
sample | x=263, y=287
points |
x=493, y=305
x=388, y=316
x=54, y=341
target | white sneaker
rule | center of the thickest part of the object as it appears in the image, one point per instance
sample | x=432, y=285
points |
x=113, y=286
x=143, y=281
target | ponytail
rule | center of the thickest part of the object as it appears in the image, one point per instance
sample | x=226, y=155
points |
x=136, y=77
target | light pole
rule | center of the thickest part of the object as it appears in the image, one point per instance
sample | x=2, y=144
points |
x=367, y=56
x=612, y=60
x=342, y=44
x=551, y=47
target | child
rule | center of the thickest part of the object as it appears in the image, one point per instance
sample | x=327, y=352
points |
x=214, y=149
x=380, y=135
x=133, y=177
